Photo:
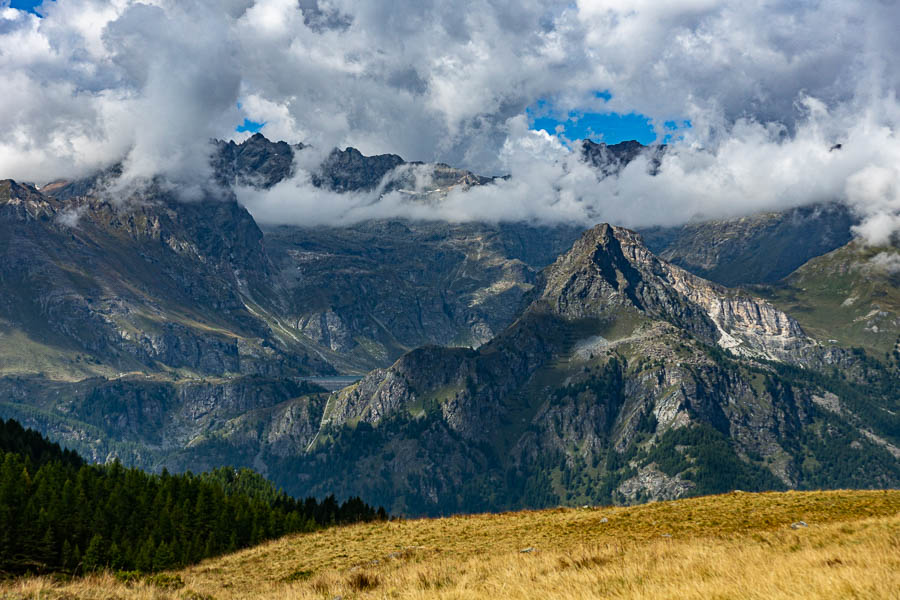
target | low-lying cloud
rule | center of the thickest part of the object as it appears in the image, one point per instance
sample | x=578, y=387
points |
x=887, y=262
x=754, y=167
x=770, y=89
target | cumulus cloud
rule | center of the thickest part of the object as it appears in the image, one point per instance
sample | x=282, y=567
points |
x=889, y=262
x=768, y=88
x=70, y=216
x=754, y=167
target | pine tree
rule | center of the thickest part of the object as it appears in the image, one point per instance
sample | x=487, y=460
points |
x=144, y=559
x=95, y=555
x=47, y=554
x=67, y=558
x=52, y=505
x=163, y=558
x=114, y=557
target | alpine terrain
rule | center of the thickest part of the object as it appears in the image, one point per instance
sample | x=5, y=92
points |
x=490, y=365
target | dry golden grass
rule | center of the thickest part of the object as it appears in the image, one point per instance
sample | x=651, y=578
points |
x=733, y=546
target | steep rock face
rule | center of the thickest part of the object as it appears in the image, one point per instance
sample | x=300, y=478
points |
x=609, y=160
x=20, y=202
x=610, y=268
x=291, y=428
x=261, y=163
x=761, y=248
x=255, y=161
x=384, y=392
x=348, y=170
x=90, y=287
x=607, y=270
x=605, y=389
x=327, y=329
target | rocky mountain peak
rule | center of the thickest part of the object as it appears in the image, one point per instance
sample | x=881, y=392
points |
x=609, y=269
x=255, y=161
x=11, y=191
x=611, y=159
x=350, y=170
x=23, y=202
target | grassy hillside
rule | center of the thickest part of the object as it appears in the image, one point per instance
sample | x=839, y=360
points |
x=850, y=296
x=738, y=545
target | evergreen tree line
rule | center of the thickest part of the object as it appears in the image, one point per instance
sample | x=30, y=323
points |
x=58, y=513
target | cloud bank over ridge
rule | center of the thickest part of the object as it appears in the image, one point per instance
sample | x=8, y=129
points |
x=769, y=90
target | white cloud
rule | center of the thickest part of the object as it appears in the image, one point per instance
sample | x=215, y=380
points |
x=888, y=262
x=769, y=88
x=753, y=167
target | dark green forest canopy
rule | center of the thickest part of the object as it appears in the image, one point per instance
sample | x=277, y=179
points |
x=58, y=513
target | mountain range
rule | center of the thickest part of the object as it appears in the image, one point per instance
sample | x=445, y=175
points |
x=500, y=365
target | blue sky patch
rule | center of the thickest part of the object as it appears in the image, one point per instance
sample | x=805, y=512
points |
x=609, y=127
x=29, y=5
x=672, y=128
x=248, y=125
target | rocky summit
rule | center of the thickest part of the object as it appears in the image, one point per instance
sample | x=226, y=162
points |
x=496, y=365
x=626, y=379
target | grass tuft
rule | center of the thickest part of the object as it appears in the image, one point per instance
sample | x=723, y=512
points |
x=362, y=581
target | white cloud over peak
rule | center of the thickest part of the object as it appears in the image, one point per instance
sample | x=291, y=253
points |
x=769, y=89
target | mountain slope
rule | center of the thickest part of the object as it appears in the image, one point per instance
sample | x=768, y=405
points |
x=608, y=387
x=850, y=295
x=186, y=327
x=375, y=290
x=760, y=248
x=619, y=360
x=170, y=279
x=94, y=288
x=720, y=546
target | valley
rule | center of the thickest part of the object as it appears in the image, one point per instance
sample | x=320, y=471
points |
x=334, y=300
x=487, y=366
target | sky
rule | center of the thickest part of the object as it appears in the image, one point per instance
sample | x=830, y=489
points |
x=750, y=98
x=27, y=5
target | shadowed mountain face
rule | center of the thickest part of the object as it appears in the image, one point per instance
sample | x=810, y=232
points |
x=91, y=288
x=153, y=284
x=609, y=160
x=612, y=386
x=348, y=170
x=255, y=161
x=760, y=248
x=504, y=365
x=377, y=289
